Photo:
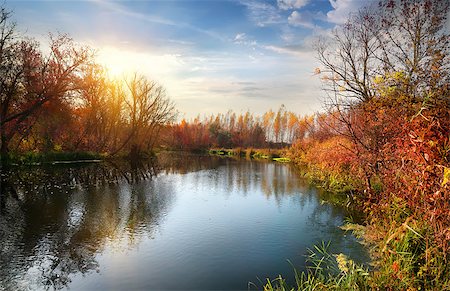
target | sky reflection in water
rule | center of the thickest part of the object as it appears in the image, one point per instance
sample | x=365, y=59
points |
x=183, y=222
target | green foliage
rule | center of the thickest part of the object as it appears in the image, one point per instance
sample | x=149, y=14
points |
x=403, y=259
x=326, y=271
x=406, y=258
x=282, y=160
x=250, y=153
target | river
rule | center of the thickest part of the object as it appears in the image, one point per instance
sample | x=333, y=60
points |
x=179, y=222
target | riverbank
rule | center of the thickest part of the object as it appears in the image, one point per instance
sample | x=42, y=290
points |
x=33, y=158
x=55, y=157
x=218, y=206
x=402, y=246
x=405, y=249
x=278, y=155
x=405, y=254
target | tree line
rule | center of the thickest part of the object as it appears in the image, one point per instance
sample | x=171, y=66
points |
x=273, y=129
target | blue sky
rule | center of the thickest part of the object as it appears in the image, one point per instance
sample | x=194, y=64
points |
x=210, y=55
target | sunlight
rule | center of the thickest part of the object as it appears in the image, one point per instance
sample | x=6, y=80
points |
x=117, y=63
x=122, y=62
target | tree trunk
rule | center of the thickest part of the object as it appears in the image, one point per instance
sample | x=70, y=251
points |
x=4, y=146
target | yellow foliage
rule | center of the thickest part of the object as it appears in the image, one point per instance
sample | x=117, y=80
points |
x=446, y=178
x=57, y=148
x=378, y=80
x=343, y=263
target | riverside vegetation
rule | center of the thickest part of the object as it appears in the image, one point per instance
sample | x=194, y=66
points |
x=384, y=141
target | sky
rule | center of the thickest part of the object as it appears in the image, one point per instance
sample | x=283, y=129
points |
x=211, y=55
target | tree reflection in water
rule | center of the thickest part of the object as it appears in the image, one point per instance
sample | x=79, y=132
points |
x=55, y=219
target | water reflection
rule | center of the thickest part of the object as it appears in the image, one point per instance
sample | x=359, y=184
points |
x=57, y=221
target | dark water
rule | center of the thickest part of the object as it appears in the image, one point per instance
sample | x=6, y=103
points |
x=181, y=222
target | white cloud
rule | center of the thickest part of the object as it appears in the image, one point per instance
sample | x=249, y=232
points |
x=299, y=51
x=240, y=37
x=301, y=19
x=203, y=84
x=124, y=11
x=342, y=9
x=262, y=14
x=206, y=95
x=120, y=62
x=244, y=39
x=291, y=4
x=121, y=9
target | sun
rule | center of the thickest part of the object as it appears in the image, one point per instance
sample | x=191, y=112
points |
x=165, y=69
x=117, y=63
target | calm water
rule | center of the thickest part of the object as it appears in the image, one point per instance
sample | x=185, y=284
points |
x=183, y=222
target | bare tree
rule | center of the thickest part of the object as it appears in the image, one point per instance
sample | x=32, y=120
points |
x=403, y=36
x=9, y=72
x=148, y=109
x=414, y=40
x=349, y=61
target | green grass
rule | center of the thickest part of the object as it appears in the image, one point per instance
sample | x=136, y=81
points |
x=251, y=153
x=282, y=160
x=325, y=271
x=219, y=152
x=403, y=258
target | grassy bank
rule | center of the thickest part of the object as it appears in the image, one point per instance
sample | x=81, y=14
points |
x=278, y=155
x=402, y=260
x=403, y=247
x=399, y=263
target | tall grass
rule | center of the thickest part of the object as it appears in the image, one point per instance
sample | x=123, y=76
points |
x=403, y=259
x=325, y=271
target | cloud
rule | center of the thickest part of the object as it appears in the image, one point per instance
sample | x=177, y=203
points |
x=120, y=9
x=291, y=4
x=287, y=34
x=259, y=95
x=240, y=37
x=342, y=9
x=247, y=83
x=244, y=39
x=298, y=50
x=262, y=14
x=119, y=62
x=124, y=11
x=301, y=19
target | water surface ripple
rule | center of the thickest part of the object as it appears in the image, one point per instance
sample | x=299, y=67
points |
x=181, y=222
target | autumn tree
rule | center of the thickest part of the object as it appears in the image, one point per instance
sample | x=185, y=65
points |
x=381, y=68
x=99, y=110
x=148, y=109
x=29, y=78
